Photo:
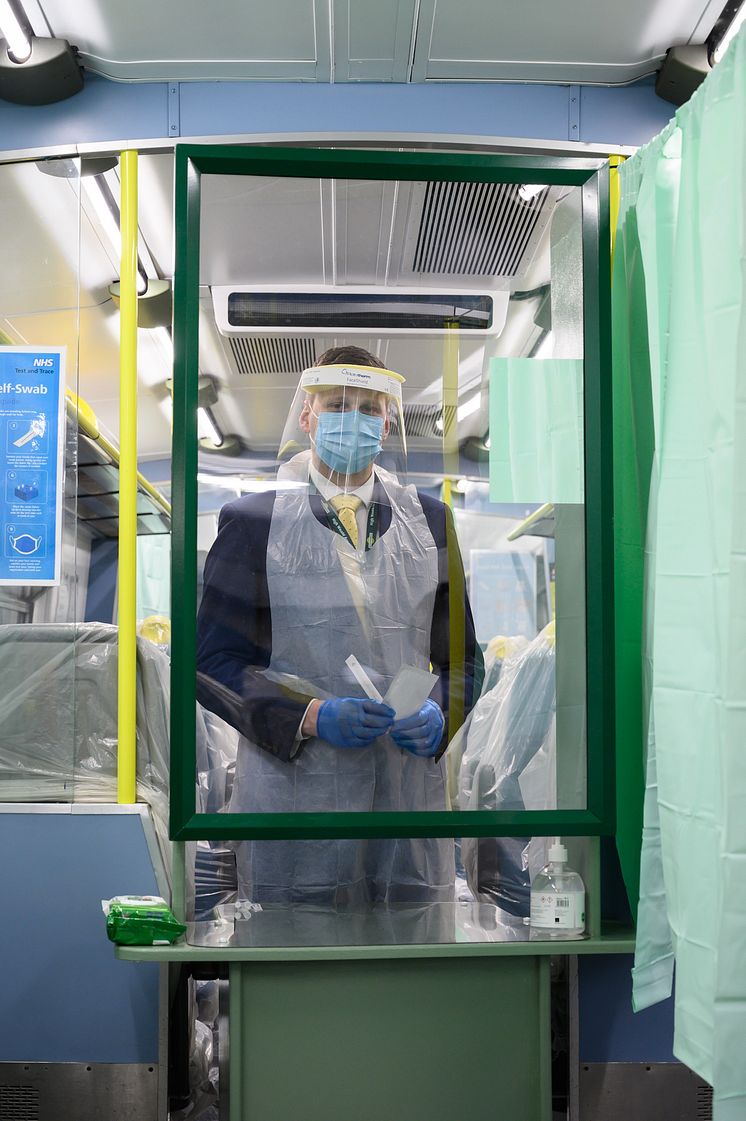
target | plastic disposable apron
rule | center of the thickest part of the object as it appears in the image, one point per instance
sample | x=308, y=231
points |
x=315, y=626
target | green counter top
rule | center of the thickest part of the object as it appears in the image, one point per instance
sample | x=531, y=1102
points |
x=434, y=930
x=622, y=943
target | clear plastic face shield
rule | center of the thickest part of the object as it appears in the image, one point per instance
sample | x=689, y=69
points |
x=343, y=419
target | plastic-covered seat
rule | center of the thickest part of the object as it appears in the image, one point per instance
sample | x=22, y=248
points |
x=509, y=764
x=58, y=730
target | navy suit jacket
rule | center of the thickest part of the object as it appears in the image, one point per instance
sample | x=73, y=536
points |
x=234, y=626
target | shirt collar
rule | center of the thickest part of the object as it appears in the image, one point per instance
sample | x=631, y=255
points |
x=327, y=489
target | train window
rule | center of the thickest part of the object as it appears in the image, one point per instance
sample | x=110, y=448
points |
x=48, y=270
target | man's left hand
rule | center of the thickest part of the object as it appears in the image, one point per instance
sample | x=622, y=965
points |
x=422, y=732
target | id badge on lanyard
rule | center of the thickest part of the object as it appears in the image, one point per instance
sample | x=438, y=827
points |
x=371, y=528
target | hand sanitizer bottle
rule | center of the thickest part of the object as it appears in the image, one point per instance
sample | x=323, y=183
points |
x=557, y=899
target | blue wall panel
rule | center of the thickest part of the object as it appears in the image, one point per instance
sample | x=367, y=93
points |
x=623, y=115
x=471, y=109
x=101, y=592
x=610, y=1032
x=65, y=996
x=107, y=110
x=103, y=110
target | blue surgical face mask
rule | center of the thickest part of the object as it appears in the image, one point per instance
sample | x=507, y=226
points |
x=348, y=442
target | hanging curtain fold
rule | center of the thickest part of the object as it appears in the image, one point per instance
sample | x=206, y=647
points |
x=680, y=362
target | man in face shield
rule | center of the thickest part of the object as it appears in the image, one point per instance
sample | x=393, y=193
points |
x=340, y=559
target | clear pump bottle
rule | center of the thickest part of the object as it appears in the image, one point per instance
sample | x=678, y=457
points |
x=557, y=899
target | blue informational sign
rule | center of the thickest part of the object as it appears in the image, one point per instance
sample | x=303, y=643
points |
x=32, y=462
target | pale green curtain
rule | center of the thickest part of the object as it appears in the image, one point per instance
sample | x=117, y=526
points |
x=690, y=186
x=536, y=430
x=633, y=456
x=656, y=173
x=153, y=575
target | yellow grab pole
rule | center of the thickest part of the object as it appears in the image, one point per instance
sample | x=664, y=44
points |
x=450, y=400
x=451, y=463
x=615, y=195
x=127, y=707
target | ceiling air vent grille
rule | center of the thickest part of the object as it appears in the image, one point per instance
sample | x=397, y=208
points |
x=475, y=229
x=273, y=355
x=19, y=1103
x=423, y=420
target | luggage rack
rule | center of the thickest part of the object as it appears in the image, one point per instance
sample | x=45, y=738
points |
x=92, y=486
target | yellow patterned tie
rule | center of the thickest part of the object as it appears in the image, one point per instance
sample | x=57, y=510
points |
x=346, y=507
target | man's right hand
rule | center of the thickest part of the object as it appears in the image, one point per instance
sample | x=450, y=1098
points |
x=350, y=722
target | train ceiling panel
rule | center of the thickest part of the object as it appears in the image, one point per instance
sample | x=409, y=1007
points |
x=328, y=235
x=263, y=231
x=577, y=41
x=313, y=233
x=389, y=41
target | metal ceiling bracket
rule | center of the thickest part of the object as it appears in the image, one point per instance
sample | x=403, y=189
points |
x=174, y=109
x=573, y=112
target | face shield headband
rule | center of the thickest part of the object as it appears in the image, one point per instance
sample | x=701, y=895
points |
x=353, y=377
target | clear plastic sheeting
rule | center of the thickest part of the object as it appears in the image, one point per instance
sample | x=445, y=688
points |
x=217, y=747
x=500, y=650
x=509, y=763
x=213, y=862
x=58, y=732
x=394, y=924
x=58, y=718
x=60, y=688
x=204, y=1041
x=214, y=876
x=690, y=213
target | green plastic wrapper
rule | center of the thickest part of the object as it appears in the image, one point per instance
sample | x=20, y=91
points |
x=141, y=920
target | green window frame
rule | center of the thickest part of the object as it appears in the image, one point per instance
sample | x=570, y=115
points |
x=592, y=176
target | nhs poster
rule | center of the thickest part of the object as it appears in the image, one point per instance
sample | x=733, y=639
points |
x=32, y=461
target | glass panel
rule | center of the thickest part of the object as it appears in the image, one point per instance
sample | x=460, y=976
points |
x=43, y=569
x=430, y=924
x=460, y=443
x=59, y=225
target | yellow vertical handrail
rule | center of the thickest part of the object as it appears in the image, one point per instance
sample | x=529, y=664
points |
x=456, y=593
x=451, y=350
x=127, y=617
x=615, y=195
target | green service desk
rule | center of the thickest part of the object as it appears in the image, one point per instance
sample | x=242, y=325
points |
x=433, y=1012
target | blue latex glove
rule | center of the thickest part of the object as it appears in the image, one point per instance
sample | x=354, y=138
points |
x=349, y=722
x=421, y=733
